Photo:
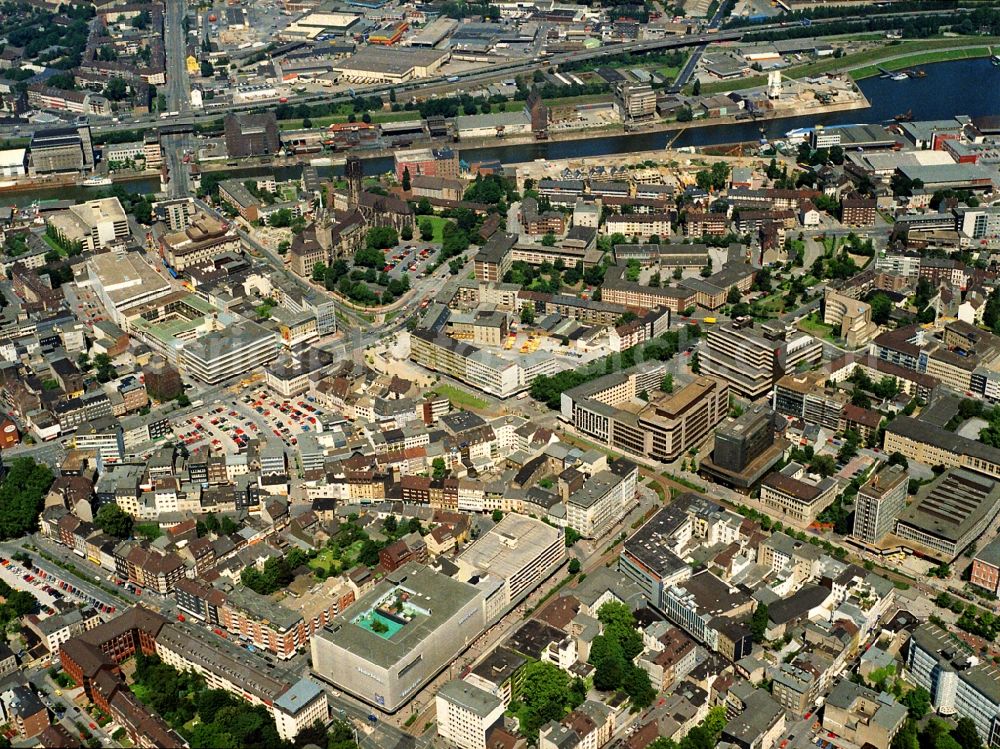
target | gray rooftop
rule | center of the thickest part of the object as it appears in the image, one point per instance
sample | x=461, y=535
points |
x=440, y=596
x=472, y=698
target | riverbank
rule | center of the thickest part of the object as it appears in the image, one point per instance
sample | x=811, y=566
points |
x=563, y=136
x=923, y=58
x=885, y=56
x=65, y=181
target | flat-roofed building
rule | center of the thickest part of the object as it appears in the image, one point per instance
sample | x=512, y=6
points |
x=752, y=358
x=466, y=714
x=949, y=513
x=124, y=282
x=393, y=65
x=671, y=424
x=499, y=674
x=711, y=611
x=95, y=224
x=234, y=351
x=399, y=635
x=603, y=500
x=805, y=396
x=792, y=496
x=959, y=683
x=648, y=558
x=879, y=503
x=746, y=448
x=519, y=550
x=62, y=149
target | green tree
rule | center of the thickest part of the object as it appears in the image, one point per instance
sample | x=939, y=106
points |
x=758, y=622
x=528, y=314
x=381, y=238
x=574, y=566
x=497, y=516
x=440, y=470
x=207, y=69
x=733, y=297
x=22, y=495
x=966, y=735
x=696, y=89
x=917, y=701
x=543, y=694
x=406, y=179
x=667, y=383
x=103, y=367
x=549, y=240
x=426, y=229
x=114, y=521
x=881, y=307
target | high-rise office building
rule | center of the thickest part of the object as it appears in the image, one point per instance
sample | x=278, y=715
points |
x=879, y=503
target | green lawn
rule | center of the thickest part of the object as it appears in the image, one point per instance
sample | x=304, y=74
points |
x=459, y=397
x=817, y=329
x=325, y=559
x=52, y=243
x=774, y=304
x=438, y=223
x=924, y=58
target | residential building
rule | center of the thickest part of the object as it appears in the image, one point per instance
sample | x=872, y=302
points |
x=603, y=500
x=986, y=567
x=862, y=716
x=466, y=714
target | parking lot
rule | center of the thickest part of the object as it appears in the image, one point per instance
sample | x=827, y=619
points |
x=46, y=587
x=228, y=428
x=224, y=429
x=412, y=259
x=284, y=419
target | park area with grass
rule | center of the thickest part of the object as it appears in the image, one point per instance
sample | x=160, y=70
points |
x=816, y=328
x=459, y=397
x=331, y=561
x=438, y=223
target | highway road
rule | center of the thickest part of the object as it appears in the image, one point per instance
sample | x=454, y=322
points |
x=689, y=67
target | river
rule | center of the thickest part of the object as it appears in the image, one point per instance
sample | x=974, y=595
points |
x=970, y=87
